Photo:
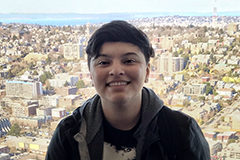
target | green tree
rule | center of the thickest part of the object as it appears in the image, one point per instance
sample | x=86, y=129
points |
x=65, y=84
x=175, y=54
x=15, y=130
x=80, y=84
x=209, y=89
x=231, y=141
x=49, y=60
x=205, y=68
x=222, y=118
x=186, y=103
x=10, y=74
x=45, y=76
x=201, y=98
x=35, y=72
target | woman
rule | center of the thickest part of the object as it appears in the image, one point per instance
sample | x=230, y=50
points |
x=125, y=120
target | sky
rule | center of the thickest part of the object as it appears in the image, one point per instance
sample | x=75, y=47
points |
x=116, y=6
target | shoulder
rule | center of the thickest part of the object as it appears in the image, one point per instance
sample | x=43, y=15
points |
x=70, y=121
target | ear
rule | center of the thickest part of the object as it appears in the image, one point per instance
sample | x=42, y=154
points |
x=147, y=73
x=91, y=79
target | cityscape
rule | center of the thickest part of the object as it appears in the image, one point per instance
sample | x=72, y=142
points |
x=44, y=76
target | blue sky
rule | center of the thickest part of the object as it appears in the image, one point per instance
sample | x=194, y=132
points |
x=112, y=6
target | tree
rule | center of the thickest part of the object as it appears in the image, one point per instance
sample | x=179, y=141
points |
x=80, y=84
x=209, y=89
x=45, y=76
x=15, y=130
x=65, y=84
x=10, y=75
x=222, y=118
x=231, y=141
x=49, y=60
x=201, y=98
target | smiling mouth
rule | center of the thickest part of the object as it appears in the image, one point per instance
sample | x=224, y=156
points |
x=112, y=84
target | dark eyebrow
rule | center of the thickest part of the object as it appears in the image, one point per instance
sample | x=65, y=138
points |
x=129, y=53
x=124, y=55
x=101, y=55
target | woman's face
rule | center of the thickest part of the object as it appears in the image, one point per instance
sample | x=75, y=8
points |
x=119, y=72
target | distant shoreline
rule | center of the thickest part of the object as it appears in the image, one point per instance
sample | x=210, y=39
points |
x=61, y=19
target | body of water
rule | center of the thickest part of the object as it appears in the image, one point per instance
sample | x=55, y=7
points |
x=62, y=19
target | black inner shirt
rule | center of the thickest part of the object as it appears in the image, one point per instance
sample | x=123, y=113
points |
x=121, y=139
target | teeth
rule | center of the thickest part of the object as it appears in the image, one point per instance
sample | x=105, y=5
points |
x=118, y=83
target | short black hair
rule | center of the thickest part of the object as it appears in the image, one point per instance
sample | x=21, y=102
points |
x=118, y=31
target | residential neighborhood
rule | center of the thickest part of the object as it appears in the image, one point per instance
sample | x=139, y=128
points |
x=44, y=77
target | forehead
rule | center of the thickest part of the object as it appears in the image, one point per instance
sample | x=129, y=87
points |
x=119, y=47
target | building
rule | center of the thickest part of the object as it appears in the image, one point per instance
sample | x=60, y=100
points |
x=215, y=147
x=195, y=89
x=68, y=100
x=4, y=156
x=166, y=42
x=23, y=89
x=4, y=149
x=210, y=135
x=58, y=112
x=49, y=100
x=32, y=144
x=21, y=110
x=44, y=111
x=73, y=51
x=65, y=91
x=84, y=66
x=226, y=92
x=167, y=64
x=29, y=121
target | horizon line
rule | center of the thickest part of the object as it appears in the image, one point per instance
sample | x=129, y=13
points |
x=121, y=12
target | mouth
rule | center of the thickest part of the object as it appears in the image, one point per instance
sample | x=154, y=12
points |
x=113, y=84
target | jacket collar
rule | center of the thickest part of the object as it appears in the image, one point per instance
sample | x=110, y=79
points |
x=92, y=112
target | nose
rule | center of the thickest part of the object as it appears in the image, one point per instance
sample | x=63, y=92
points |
x=116, y=69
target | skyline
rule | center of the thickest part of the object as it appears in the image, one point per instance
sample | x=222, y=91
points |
x=116, y=6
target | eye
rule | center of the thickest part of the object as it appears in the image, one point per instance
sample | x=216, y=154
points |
x=130, y=61
x=102, y=63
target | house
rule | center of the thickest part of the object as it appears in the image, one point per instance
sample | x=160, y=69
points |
x=87, y=92
x=229, y=85
x=47, y=100
x=225, y=92
x=31, y=144
x=213, y=82
x=205, y=79
x=234, y=119
x=210, y=135
x=65, y=91
x=220, y=84
x=179, y=77
x=4, y=156
x=4, y=149
x=68, y=100
x=29, y=121
x=214, y=146
x=197, y=113
x=212, y=107
x=58, y=113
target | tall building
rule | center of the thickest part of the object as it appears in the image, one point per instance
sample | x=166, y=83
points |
x=167, y=64
x=23, y=89
x=73, y=51
x=214, y=18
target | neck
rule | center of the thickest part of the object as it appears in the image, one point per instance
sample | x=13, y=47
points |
x=124, y=116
